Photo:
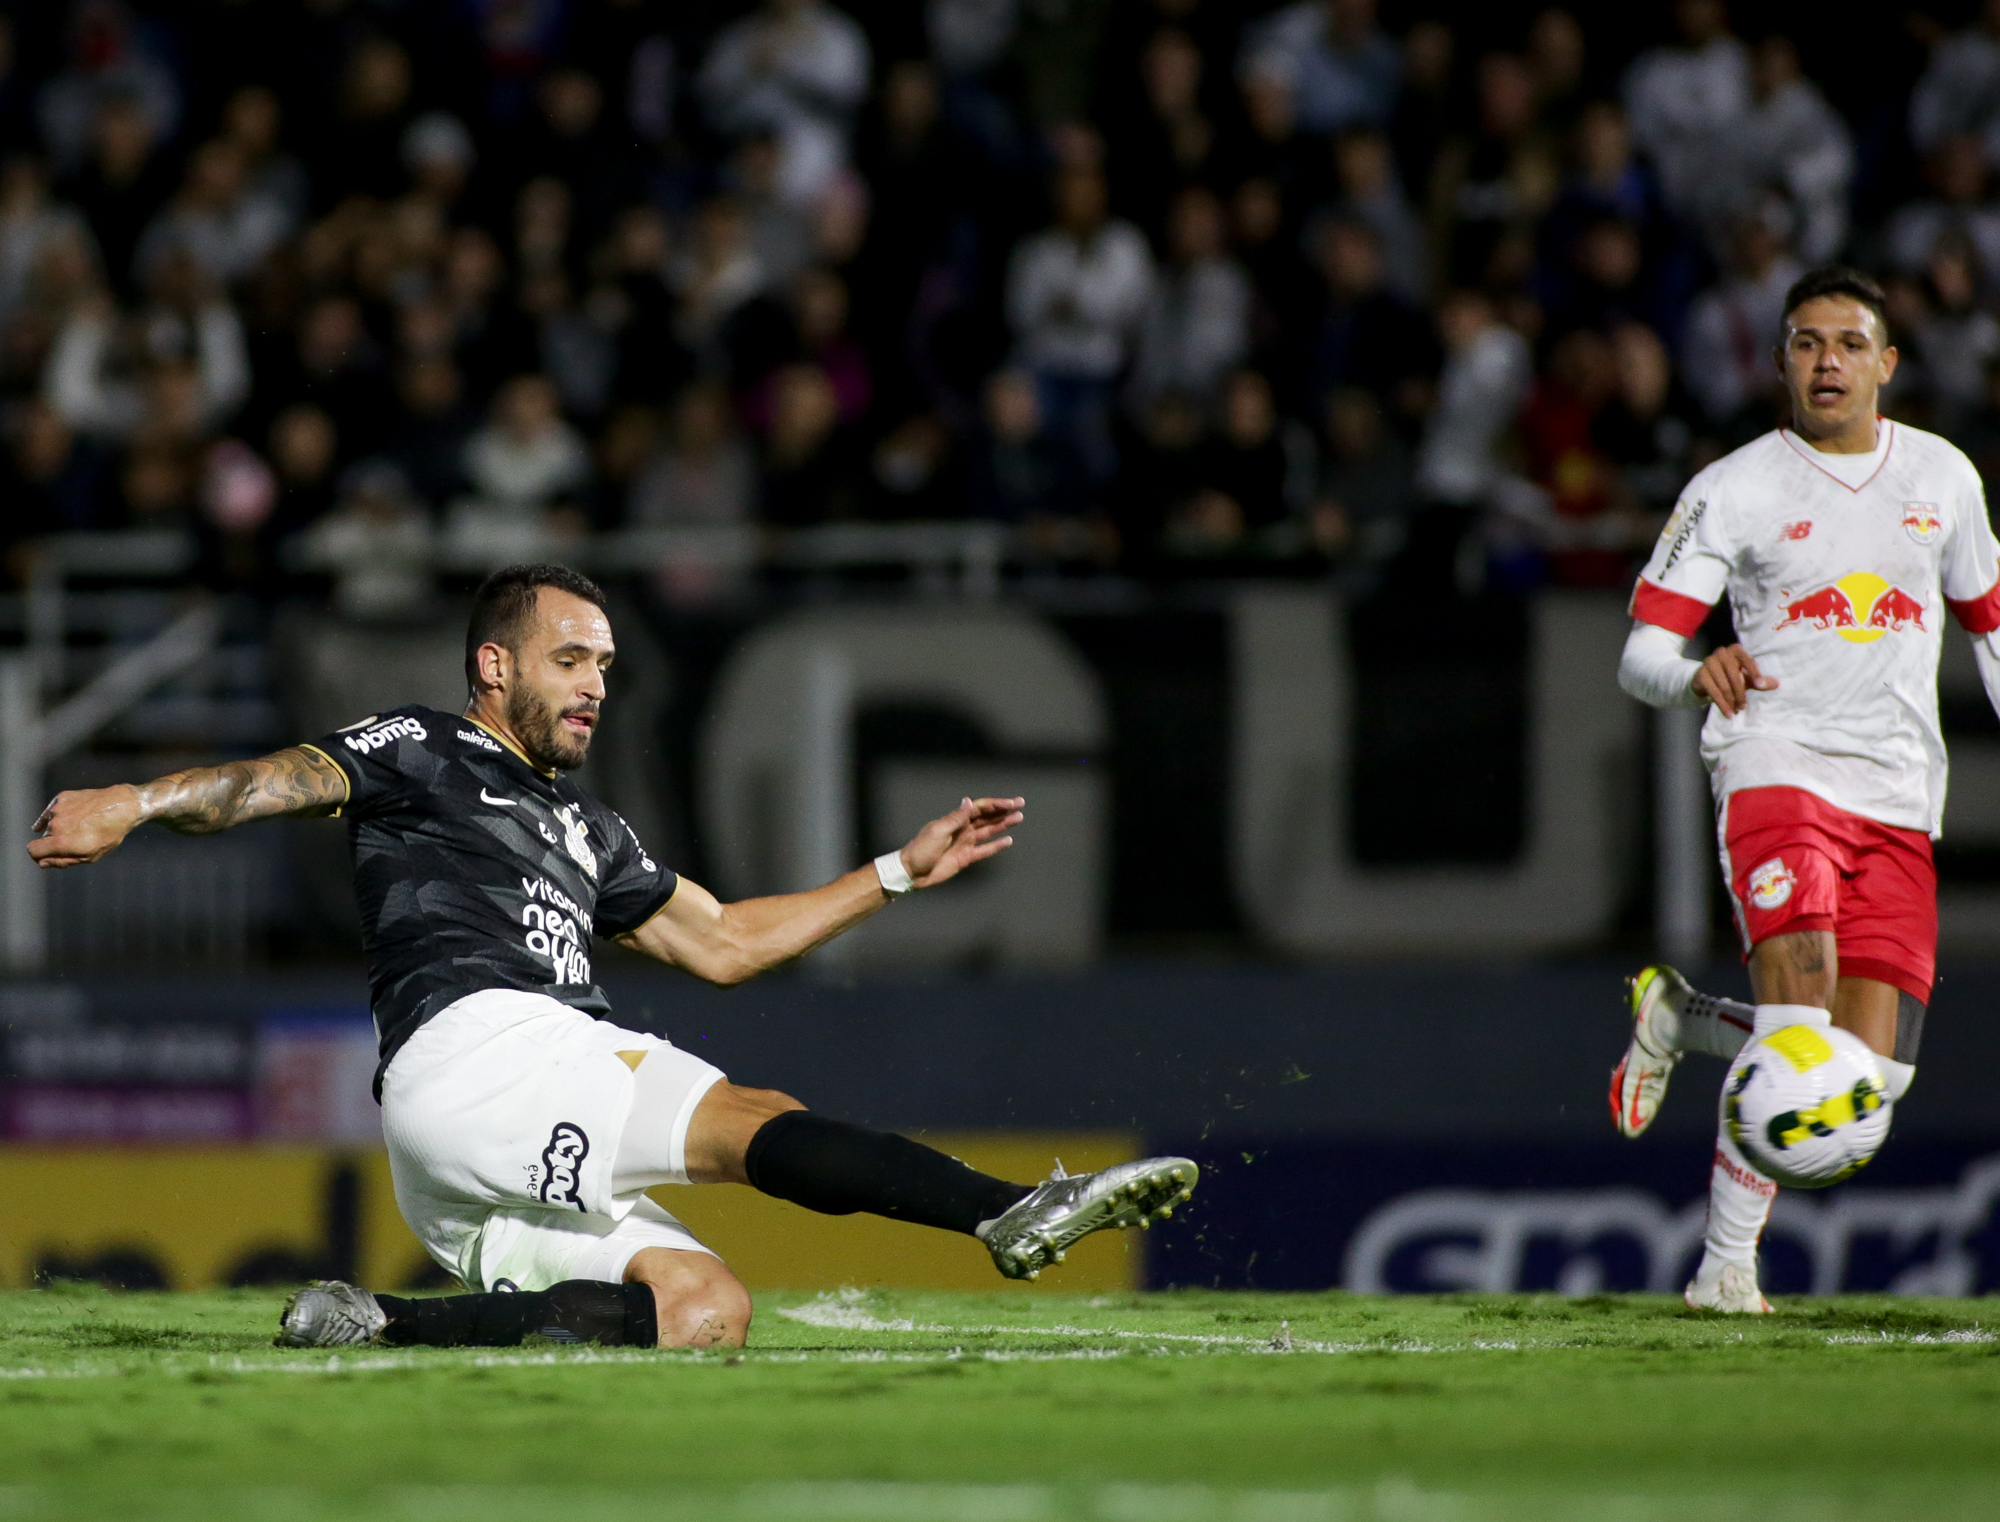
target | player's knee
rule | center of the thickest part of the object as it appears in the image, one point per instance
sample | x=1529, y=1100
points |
x=696, y=1305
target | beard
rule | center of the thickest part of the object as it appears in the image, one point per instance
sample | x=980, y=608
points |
x=550, y=743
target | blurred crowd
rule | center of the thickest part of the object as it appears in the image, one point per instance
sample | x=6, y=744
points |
x=1169, y=287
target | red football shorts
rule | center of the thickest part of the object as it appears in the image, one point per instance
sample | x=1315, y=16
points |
x=1795, y=862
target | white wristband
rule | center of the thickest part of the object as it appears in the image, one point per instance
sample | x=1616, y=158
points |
x=895, y=877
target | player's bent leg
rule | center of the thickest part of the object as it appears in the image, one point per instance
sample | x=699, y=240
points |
x=697, y=1301
x=1670, y=1018
x=769, y=1141
x=332, y=1314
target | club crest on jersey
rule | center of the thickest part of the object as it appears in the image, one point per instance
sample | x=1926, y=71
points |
x=1771, y=884
x=1860, y=607
x=1922, y=521
x=576, y=838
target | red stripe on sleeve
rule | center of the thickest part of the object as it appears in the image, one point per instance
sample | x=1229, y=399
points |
x=1978, y=615
x=1681, y=613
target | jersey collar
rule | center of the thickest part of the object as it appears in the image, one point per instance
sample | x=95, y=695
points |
x=1810, y=455
x=511, y=746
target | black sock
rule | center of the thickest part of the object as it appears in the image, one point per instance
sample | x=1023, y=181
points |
x=577, y=1310
x=837, y=1168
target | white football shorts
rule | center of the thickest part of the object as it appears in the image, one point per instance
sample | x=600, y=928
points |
x=503, y=1115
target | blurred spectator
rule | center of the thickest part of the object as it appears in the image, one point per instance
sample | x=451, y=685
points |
x=1792, y=141
x=251, y=120
x=526, y=457
x=1979, y=433
x=1733, y=327
x=337, y=366
x=1959, y=208
x=1369, y=193
x=637, y=308
x=359, y=152
x=439, y=155
x=1685, y=101
x=1425, y=109
x=1607, y=246
x=1366, y=336
x=1957, y=339
x=1016, y=476
x=1341, y=71
x=796, y=68
x=1252, y=478
x=918, y=471
x=1056, y=45
x=51, y=479
x=810, y=475
x=377, y=546
x=568, y=138
x=1557, y=54
x=1197, y=319
x=303, y=449
x=1488, y=371
x=1647, y=428
x=704, y=474
x=716, y=273
x=1492, y=184
x=1169, y=140
x=1563, y=430
x=216, y=219
x=109, y=377
x=1363, y=497
x=29, y=223
x=777, y=230
x=1959, y=93
x=1163, y=475
x=238, y=492
x=109, y=61
x=124, y=182
x=428, y=438
x=1075, y=296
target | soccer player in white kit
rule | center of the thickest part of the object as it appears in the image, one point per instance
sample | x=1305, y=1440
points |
x=1841, y=541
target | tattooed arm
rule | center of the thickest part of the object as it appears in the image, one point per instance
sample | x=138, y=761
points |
x=83, y=827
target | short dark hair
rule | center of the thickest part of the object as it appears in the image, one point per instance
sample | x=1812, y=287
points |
x=1836, y=280
x=505, y=602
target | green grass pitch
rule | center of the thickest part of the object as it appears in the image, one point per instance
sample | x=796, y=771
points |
x=903, y=1407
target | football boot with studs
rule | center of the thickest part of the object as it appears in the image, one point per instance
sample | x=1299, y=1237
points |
x=1639, y=1082
x=1039, y=1229
x=330, y=1314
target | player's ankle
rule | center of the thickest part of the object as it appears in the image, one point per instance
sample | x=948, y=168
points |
x=1775, y=1017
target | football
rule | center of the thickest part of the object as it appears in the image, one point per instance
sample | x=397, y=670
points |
x=1807, y=1105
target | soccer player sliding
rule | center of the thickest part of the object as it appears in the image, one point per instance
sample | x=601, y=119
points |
x=523, y=1126
x=1841, y=541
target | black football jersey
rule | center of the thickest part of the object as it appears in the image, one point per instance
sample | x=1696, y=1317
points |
x=475, y=870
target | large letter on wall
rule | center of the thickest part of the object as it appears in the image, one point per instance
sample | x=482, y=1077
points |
x=776, y=793
x=1295, y=877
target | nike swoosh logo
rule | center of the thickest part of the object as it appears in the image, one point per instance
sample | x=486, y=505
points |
x=505, y=803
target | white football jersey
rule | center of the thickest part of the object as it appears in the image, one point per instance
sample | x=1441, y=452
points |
x=1839, y=570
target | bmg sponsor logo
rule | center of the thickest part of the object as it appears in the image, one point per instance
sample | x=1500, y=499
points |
x=562, y=1166
x=1914, y=1241
x=383, y=734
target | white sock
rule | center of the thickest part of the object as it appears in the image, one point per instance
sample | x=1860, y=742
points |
x=1775, y=1017
x=1719, y=1027
x=1739, y=1199
x=1898, y=1075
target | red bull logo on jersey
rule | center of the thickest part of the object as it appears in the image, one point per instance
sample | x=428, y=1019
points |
x=1922, y=521
x=1860, y=607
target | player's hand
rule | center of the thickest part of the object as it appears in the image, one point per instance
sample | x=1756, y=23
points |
x=1728, y=677
x=973, y=831
x=82, y=827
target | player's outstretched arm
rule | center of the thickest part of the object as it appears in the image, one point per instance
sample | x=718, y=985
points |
x=82, y=827
x=727, y=943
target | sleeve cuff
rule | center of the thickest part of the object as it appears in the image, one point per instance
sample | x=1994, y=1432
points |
x=1677, y=611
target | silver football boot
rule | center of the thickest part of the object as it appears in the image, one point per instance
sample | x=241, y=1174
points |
x=330, y=1314
x=1038, y=1230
